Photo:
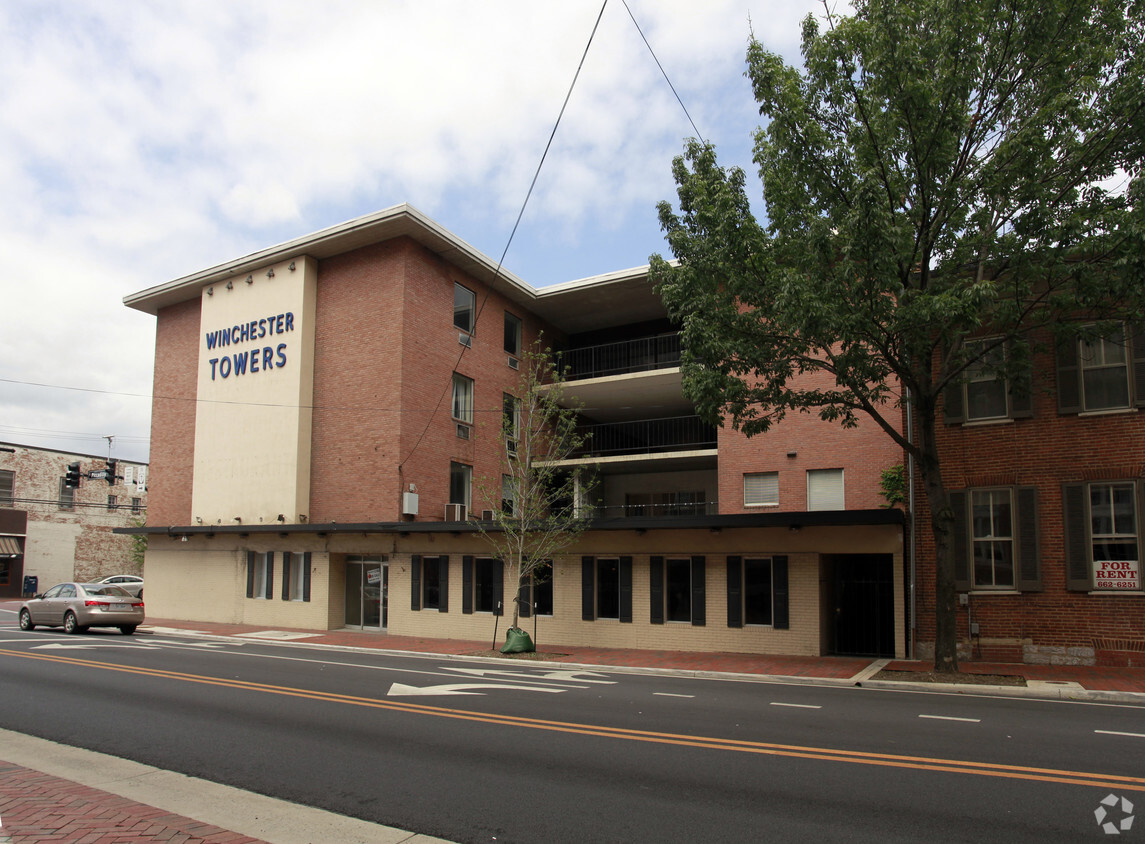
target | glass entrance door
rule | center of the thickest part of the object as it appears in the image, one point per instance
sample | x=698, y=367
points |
x=367, y=585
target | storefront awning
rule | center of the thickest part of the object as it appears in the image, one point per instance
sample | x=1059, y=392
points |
x=10, y=546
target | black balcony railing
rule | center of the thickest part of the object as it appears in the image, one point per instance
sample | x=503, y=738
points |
x=643, y=355
x=663, y=511
x=646, y=436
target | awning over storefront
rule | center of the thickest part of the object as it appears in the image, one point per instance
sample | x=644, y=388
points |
x=10, y=546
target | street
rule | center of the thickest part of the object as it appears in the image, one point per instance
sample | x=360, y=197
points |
x=476, y=750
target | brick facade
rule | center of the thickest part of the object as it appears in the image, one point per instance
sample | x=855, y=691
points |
x=66, y=538
x=1045, y=451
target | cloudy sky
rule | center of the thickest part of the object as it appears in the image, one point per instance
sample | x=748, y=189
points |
x=142, y=141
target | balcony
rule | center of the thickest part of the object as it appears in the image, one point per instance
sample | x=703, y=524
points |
x=610, y=359
x=646, y=436
x=660, y=511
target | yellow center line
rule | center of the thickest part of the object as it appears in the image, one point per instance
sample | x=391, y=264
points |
x=922, y=763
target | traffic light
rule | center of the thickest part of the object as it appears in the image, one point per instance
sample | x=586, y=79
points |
x=72, y=476
x=112, y=466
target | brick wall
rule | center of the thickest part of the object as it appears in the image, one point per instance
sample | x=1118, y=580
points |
x=173, y=414
x=1044, y=451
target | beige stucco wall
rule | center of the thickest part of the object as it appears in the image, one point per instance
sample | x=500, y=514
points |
x=205, y=579
x=50, y=551
x=252, y=430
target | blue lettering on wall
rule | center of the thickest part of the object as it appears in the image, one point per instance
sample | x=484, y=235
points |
x=255, y=360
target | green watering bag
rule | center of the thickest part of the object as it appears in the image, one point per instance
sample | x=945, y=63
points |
x=517, y=641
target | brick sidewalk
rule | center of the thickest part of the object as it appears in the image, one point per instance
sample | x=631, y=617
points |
x=36, y=807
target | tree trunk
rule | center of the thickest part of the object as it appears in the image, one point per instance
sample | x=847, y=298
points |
x=942, y=526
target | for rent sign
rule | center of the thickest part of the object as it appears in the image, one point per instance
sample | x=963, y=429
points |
x=1117, y=574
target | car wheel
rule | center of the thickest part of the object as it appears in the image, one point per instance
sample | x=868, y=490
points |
x=71, y=623
x=127, y=629
x=26, y=621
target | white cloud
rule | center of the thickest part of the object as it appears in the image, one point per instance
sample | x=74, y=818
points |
x=140, y=142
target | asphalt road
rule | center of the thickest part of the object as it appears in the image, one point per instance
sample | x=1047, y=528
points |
x=481, y=751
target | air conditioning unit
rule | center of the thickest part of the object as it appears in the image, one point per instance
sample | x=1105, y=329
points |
x=463, y=432
x=511, y=447
x=409, y=503
x=456, y=513
x=465, y=340
x=486, y=515
x=514, y=363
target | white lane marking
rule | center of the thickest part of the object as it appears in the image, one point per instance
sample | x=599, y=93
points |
x=669, y=694
x=1115, y=733
x=951, y=718
x=462, y=689
x=796, y=705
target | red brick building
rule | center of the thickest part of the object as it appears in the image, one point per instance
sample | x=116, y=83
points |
x=1048, y=487
x=328, y=411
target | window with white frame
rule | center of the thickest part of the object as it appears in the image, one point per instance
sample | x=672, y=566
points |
x=510, y=422
x=761, y=489
x=992, y=523
x=986, y=393
x=260, y=574
x=512, y=335
x=1104, y=371
x=825, y=489
x=463, y=399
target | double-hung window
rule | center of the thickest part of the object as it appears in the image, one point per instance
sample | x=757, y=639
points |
x=825, y=489
x=984, y=393
x=995, y=539
x=510, y=422
x=512, y=335
x=1104, y=369
x=992, y=524
x=460, y=483
x=260, y=574
x=1103, y=535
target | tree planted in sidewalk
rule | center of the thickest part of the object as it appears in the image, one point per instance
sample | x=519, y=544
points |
x=948, y=186
x=535, y=506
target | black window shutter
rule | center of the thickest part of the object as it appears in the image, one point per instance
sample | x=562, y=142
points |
x=780, y=615
x=499, y=588
x=699, y=592
x=269, y=575
x=286, y=561
x=1075, y=517
x=587, y=593
x=625, y=590
x=467, y=585
x=656, y=590
x=250, y=574
x=735, y=592
x=960, y=539
x=1029, y=565
x=306, y=577
x=443, y=580
x=1069, y=375
x=1137, y=333
x=953, y=405
x=415, y=582
x=1021, y=392
x=525, y=597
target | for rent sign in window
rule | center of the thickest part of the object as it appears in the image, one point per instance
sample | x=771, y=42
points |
x=1117, y=574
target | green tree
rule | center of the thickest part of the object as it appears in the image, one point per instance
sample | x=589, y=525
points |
x=536, y=502
x=939, y=170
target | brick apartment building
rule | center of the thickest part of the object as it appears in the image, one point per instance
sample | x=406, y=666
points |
x=53, y=532
x=328, y=410
x=1048, y=488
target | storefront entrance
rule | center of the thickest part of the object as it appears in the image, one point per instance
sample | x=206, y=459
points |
x=367, y=585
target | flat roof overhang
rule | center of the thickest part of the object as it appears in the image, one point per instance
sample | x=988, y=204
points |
x=735, y=521
x=617, y=298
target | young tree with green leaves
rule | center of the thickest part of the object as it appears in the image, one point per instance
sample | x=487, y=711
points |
x=938, y=171
x=535, y=504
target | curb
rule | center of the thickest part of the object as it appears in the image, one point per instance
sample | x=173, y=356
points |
x=1070, y=693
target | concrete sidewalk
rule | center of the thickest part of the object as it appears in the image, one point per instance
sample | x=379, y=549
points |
x=49, y=792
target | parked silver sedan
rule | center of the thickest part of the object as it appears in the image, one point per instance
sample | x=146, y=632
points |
x=132, y=583
x=78, y=606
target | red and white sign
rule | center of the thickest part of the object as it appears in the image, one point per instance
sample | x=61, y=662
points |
x=1117, y=574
